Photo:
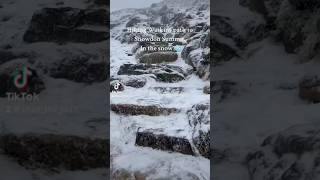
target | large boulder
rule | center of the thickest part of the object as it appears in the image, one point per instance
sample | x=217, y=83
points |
x=223, y=26
x=81, y=68
x=163, y=73
x=131, y=81
x=133, y=21
x=64, y=25
x=54, y=152
x=290, y=154
x=158, y=57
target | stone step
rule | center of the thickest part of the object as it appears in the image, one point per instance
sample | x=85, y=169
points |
x=64, y=25
x=49, y=151
x=168, y=90
x=164, y=142
x=135, y=110
x=158, y=57
x=162, y=73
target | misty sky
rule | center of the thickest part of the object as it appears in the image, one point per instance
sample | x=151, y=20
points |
x=123, y=4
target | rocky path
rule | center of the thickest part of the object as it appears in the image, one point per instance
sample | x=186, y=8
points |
x=153, y=124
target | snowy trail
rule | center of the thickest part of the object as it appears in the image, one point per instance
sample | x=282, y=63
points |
x=158, y=164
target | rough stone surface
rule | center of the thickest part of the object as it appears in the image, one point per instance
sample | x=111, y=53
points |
x=52, y=152
x=290, y=154
x=221, y=89
x=80, y=68
x=158, y=57
x=164, y=73
x=168, y=90
x=64, y=25
x=135, y=110
x=309, y=89
x=164, y=142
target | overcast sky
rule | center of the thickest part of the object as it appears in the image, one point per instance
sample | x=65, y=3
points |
x=124, y=4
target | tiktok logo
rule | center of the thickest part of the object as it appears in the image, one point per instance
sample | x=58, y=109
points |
x=117, y=86
x=20, y=77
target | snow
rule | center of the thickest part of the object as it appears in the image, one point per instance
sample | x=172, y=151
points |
x=155, y=163
x=260, y=108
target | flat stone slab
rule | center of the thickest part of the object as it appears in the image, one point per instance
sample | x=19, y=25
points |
x=135, y=110
x=164, y=142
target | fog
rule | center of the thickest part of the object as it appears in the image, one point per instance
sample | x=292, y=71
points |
x=124, y=4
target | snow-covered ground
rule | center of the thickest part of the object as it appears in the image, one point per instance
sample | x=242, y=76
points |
x=261, y=107
x=123, y=129
x=64, y=107
x=155, y=164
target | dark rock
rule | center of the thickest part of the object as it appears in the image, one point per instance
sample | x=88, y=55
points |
x=164, y=73
x=199, y=120
x=64, y=25
x=158, y=57
x=221, y=52
x=13, y=75
x=256, y=32
x=223, y=26
x=207, y=90
x=291, y=32
x=96, y=17
x=101, y=2
x=132, y=22
x=290, y=154
x=135, y=110
x=116, y=86
x=80, y=68
x=191, y=46
x=132, y=81
x=222, y=89
x=199, y=114
x=305, y=4
x=166, y=90
x=6, y=56
x=164, y=142
x=244, y=3
x=51, y=152
x=202, y=143
x=309, y=89
x=273, y=7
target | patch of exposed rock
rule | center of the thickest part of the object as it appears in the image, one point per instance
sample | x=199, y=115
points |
x=164, y=142
x=163, y=73
x=290, y=154
x=135, y=110
x=53, y=152
x=66, y=25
